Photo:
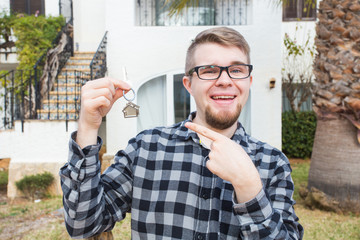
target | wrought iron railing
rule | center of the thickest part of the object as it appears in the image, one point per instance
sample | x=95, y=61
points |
x=17, y=97
x=22, y=91
x=201, y=12
x=98, y=65
x=48, y=93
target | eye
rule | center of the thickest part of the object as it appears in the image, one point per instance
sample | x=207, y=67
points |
x=237, y=69
x=208, y=70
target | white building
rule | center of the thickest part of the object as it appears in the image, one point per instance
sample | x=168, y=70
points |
x=151, y=47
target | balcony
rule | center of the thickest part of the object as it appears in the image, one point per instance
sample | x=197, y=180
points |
x=207, y=12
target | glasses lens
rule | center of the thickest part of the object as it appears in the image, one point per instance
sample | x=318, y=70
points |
x=239, y=71
x=209, y=72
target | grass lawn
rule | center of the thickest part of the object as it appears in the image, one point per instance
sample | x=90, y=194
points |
x=321, y=225
x=28, y=220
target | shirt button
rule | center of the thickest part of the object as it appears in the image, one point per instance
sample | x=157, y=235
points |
x=205, y=196
x=200, y=236
x=75, y=187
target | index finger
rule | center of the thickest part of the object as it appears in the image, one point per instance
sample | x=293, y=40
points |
x=206, y=132
x=118, y=84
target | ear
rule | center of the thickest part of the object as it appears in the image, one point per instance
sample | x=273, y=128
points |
x=251, y=80
x=187, y=84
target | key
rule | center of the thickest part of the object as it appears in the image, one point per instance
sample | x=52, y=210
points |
x=131, y=109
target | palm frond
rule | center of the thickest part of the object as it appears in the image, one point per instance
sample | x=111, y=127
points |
x=177, y=6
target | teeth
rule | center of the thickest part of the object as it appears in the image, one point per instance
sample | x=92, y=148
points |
x=223, y=97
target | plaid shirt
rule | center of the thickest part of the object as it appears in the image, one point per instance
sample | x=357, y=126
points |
x=162, y=179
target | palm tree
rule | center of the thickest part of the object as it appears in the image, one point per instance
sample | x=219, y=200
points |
x=335, y=165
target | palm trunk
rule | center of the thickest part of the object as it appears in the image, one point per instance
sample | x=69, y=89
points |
x=335, y=162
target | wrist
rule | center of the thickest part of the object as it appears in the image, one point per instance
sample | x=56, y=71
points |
x=86, y=135
x=247, y=190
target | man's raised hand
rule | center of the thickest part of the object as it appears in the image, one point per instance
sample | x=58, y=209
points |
x=97, y=98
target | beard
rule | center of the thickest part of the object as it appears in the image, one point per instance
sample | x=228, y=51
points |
x=222, y=120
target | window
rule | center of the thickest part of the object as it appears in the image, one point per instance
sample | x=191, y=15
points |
x=202, y=12
x=303, y=10
x=181, y=99
x=163, y=101
x=152, y=99
x=27, y=6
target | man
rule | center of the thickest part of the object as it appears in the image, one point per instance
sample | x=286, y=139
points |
x=203, y=178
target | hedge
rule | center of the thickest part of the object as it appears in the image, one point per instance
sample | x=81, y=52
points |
x=35, y=185
x=298, y=131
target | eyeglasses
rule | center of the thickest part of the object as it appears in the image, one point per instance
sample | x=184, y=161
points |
x=213, y=72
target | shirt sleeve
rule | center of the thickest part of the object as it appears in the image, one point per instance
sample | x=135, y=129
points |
x=270, y=215
x=93, y=202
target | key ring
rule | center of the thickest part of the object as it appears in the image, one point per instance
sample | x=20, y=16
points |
x=129, y=100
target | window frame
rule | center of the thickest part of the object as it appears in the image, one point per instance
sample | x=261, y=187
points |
x=299, y=11
x=215, y=13
x=29, y=6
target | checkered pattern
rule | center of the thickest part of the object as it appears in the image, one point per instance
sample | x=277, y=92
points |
x=162, y=179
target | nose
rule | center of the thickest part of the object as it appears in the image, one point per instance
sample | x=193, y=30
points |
x=224, y=79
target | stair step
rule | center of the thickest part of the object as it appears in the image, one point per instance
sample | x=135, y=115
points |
x=62, y=79
x=78, y=75
x=67, y=84
x=63, y=96
x=54, y=105
x=70, y=87
x=80, y=61
x=74, y=66
x=83, y=62
x=81, y=58
x=70, y=69
x=57, y=115
x=70, y=90
x=55, y=111
x=75, y=73
x=60, y=101
x=84, y=54
x=77, y=63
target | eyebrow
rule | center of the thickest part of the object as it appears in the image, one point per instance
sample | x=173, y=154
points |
x=237, y=62
x=231, y=63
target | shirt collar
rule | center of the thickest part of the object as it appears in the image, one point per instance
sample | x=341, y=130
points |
x=183, y=133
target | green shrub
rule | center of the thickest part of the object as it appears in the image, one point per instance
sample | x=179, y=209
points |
x=3, y=179
x=298, y=131
x=33, y=34
x=35, y=185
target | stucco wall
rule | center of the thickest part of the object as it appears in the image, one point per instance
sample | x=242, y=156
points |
x=43, y=146
x=89, y=23
x=51, y=8
x=4, y=5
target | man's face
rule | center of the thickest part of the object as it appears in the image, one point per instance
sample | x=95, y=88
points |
x=218, y=102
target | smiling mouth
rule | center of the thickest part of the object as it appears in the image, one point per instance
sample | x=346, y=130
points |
x=223, y=97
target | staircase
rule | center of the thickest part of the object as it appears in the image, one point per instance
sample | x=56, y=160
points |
x=63, y=101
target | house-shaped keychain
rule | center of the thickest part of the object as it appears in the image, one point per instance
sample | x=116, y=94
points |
x=131, y=110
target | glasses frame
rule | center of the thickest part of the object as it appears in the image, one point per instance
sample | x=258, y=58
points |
x=196, y=69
